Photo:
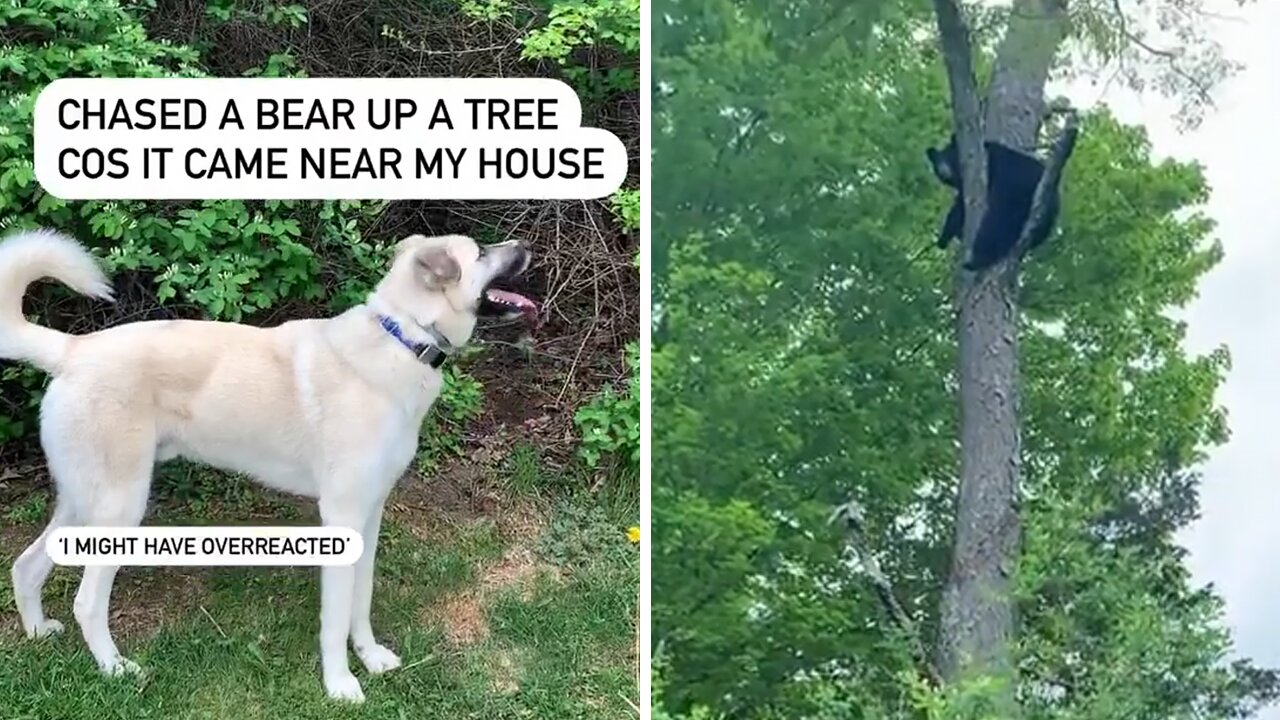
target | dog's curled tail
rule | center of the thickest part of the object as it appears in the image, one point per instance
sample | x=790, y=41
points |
x=32, y=255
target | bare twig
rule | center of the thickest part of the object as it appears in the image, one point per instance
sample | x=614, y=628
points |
x=215, y=622
x=1170, y=56
x=851, y=515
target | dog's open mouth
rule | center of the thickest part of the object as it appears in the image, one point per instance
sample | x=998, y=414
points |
x=508, y=303
x=499, y=299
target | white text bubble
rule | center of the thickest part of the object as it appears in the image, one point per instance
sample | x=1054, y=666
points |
x=204, y=546
x=320, y=139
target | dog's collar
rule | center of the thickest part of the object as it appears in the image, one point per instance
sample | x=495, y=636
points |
x=432, y=353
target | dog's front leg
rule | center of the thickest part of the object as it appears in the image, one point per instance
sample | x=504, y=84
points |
x=336, y=586
x=376, y=658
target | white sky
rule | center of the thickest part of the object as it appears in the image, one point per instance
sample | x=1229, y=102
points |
x=1239, y=306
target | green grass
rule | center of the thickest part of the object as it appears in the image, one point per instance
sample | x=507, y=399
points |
x=241, y=642
x=29, y=511
x=524, y=472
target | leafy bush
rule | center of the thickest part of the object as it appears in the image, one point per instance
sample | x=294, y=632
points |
x=578, y=23
x=292, y=15
x=571, y=25
x=226, y=259
x=461, y=400
x=574, y=24
x=626, y=207
x=487, y=10
x=610, y=422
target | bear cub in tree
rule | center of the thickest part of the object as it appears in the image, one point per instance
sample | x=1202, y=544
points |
x=1012, y=177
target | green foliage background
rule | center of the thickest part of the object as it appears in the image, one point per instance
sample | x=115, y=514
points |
x=804, y=354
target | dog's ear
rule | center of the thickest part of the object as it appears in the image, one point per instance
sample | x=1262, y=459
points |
x=439, y=267
x=408, y=243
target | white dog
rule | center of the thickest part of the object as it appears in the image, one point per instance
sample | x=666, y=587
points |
x=325, y=408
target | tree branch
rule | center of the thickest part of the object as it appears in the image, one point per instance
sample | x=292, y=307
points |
x=1170, y=56
x=851, y=515
x=1054, y=166
x=957, y=53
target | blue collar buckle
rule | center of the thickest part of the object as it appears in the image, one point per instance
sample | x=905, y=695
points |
x=431, y=353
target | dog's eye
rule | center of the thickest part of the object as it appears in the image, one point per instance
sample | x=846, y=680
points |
x=483, y=251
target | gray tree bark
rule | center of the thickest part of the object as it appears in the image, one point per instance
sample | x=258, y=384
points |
x=977, y=619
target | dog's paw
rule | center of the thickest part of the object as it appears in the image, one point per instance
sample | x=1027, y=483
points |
x=120, y=666
x=344, y=688
x=378, y=658
x=44, y=629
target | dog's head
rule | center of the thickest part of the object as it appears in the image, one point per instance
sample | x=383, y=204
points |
x=451, y=281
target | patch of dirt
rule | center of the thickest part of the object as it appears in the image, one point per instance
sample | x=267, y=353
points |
x=504, y=672
x=143, y=603
x=528, y=405
x=432, y=508
x=18, y=480
x=463, y=616
x=517, y=568
x=464, y=492
x=15, y=538
x=515, y=392
x=521, y=521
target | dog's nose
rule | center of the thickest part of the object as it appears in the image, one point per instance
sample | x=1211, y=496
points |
x=524, y=254
x=520, y=246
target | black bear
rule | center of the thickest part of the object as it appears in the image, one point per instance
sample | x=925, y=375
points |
x=1012, y=177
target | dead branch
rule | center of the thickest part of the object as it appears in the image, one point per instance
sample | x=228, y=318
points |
x=1055, y=164
x=957, y=53
x=851, y=515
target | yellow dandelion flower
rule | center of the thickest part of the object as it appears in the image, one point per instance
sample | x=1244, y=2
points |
x=633, y=534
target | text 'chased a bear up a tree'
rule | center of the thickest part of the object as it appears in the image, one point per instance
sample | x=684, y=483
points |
x=306, y=114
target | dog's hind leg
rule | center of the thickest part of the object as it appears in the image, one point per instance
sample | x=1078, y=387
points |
x=123, y=505
x=113, y=476
x=31, y=570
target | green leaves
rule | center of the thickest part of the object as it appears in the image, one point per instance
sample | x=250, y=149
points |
x=226, y=259
x=575, y=23
x=610, y=421
x=804, y=354
x=626, y=207
x=584, y=24
x=282, y=14
x=461, y=400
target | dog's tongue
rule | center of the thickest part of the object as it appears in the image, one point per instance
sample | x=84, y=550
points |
x=515, y=300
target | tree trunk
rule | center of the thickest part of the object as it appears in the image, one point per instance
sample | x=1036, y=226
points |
x=977, y=621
